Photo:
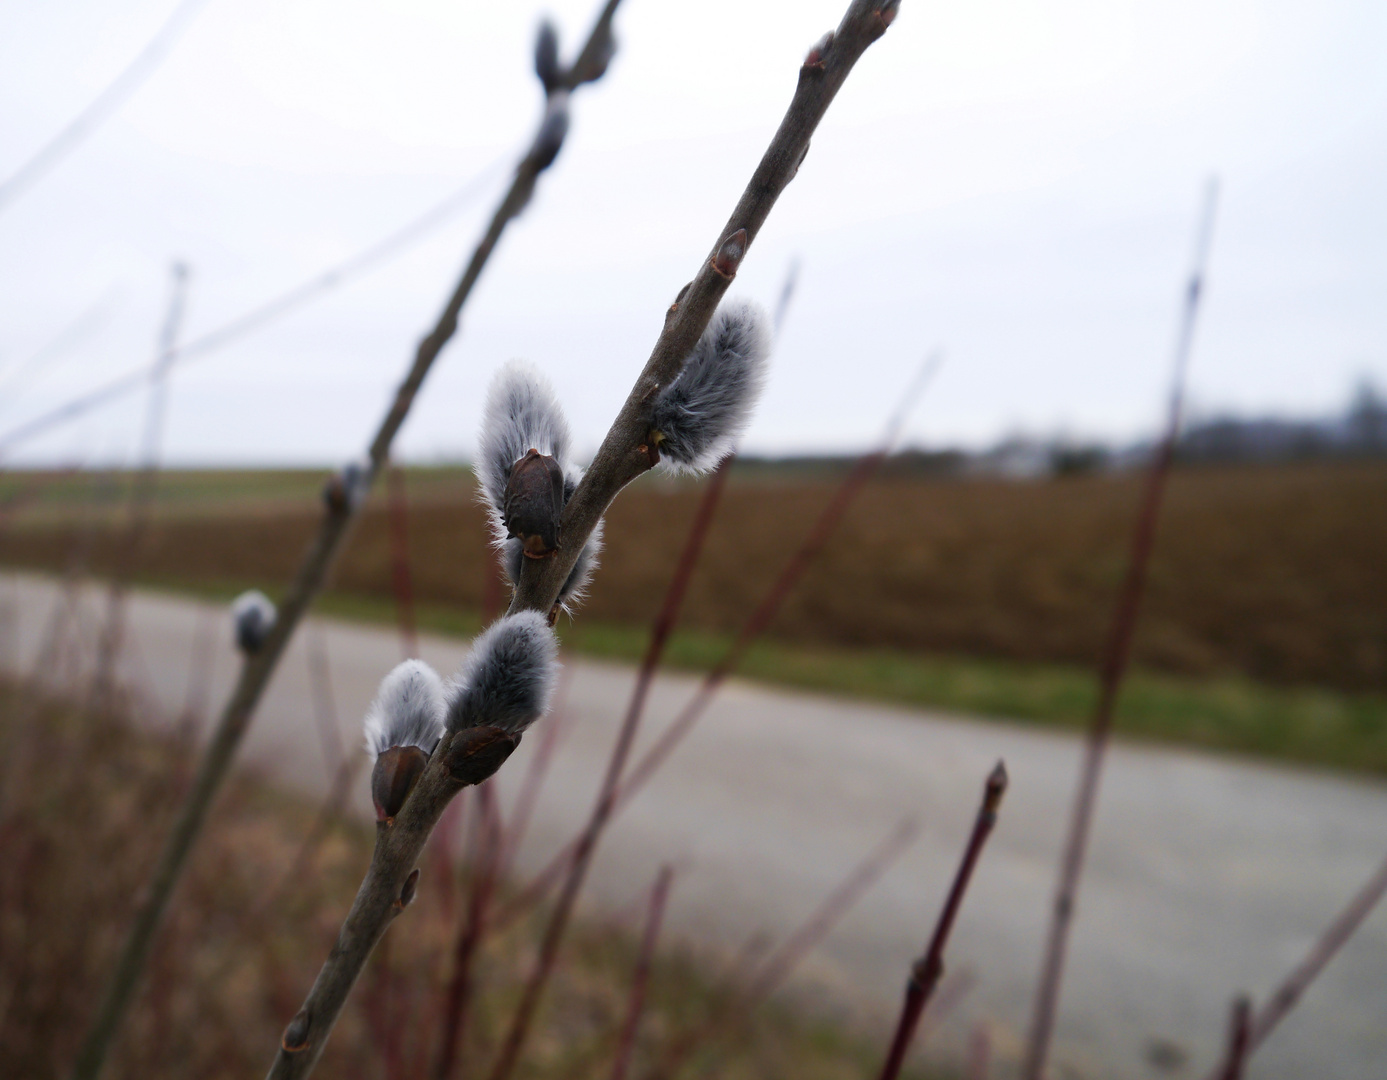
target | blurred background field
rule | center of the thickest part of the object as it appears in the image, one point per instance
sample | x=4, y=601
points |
x=1265, y=629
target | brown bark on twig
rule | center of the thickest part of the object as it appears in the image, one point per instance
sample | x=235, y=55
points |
x=1116, y=654
x=640, y=979
x=783, y=960
x=1239, y=1035
x=926, y=972
x=258, y=668
x=1284, y=998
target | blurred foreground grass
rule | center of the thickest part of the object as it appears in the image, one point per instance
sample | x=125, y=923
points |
x=85, y=804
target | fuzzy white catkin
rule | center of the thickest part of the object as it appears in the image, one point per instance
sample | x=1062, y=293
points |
x=704, y=411
x=252, y=615
x=508, y=677
x=522, y=414
x=408, y=710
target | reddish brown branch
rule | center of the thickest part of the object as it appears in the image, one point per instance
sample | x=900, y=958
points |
x=1113, y=667
x=640, y=979
x=1239, y=1036
x=926, y=972
x=783, y=960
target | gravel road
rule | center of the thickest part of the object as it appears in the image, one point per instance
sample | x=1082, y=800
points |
x=1207, y=874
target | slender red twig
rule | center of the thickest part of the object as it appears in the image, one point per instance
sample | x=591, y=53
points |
x=926, y=972
x=783, y=960
x=606, y=799
x=488, y=848
x=1239, y=1036
x=1116, y=654
x=626, y=1043
x=401, y=578
x=979, y=1052
x=760, y=618
x=1283, y=1000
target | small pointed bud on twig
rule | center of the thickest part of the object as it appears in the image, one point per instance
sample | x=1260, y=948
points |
x=815, y=58
x=295, y=1036
x=396, y=772
x=508, y=677
x=253, y=616
x=552, y=130
x=696, y=420
x=729, y=255
x=347, y=488
x=886, y=14
x=534, y=503
x=547, y=57
x=995, y=788
x=407, y=890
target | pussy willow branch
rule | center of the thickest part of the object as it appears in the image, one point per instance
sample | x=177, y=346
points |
x=624, y=455
x=819, y=535
x=925, y=974
x=640, y=979
x=1116, y=654
x=258, y=668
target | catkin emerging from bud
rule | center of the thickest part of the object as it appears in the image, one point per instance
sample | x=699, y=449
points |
x=698, y=418
x=508, y=677
x=253, y=616
x=522, y=414
x=408, y=710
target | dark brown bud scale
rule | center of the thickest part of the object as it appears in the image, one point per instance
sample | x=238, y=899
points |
x=729, y=255
x=295, y=1036
x=396, y=772
x=533, y=503
x=475, y=753
x=817, y=52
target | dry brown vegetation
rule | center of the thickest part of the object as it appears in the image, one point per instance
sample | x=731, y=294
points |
x=84, y=806
x=1272, y=572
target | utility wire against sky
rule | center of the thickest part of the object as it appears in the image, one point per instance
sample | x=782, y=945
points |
x=263, y=314
x=103, y=106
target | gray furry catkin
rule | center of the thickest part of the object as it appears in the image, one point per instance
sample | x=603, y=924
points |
x=697, y=419
x=408, y=710
x=522, y=414
x=253, y=616
x=508, y=677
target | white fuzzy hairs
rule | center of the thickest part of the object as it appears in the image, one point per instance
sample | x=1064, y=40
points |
x=408, y=710
x=703, y=412
x=253, y=615
x=508, y=677
x=522, y=414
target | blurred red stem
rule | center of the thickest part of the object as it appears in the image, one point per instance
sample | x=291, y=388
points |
x=641, y=978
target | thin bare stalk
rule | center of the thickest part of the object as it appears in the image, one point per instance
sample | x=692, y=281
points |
x=1116, y=654
x=783, y=960
x=927, y=970
x=1284, y=998
x=340, y=516
x=640, y=979
x=1239, y=1036
x=760, y=618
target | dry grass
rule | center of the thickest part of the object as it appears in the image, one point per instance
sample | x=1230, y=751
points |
x=85, y=806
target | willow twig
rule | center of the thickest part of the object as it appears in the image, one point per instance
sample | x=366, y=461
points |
x=1284, y=998
x=640, y=979
x=342, y=511
x=1117, y=652
x=1239, y=1036
x=926, y=972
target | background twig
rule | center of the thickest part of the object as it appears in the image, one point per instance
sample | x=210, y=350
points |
x=1116, y=654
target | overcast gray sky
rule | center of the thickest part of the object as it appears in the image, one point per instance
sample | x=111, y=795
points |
x=1015, y=180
